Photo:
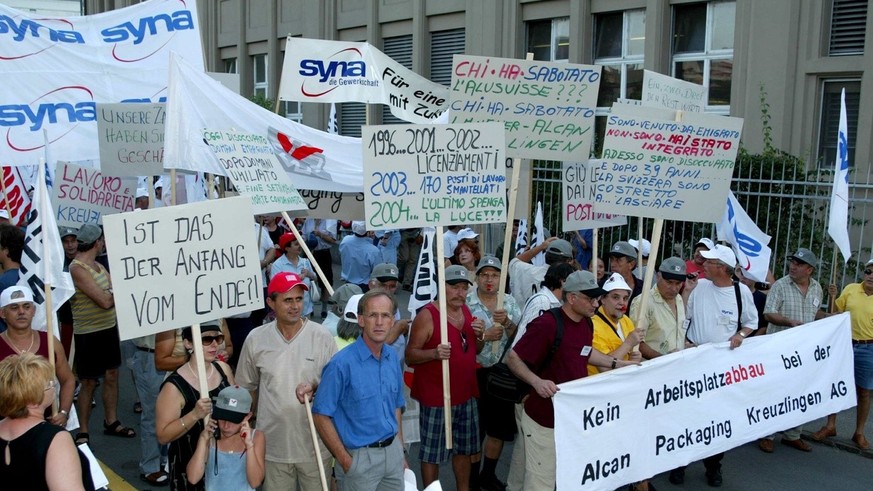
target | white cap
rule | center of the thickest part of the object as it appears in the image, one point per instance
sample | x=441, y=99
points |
x=708, y=243
x=15, y=294
x=466, y=233
x=647, y=246
x=616, y=282
x=142, y=193
x=351, y=311
x=359, y=227
x=721, y=253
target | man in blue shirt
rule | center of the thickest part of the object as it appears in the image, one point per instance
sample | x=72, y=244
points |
x=359, y=256
x=357, y=409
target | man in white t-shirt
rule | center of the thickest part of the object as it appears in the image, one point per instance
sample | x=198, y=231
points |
x=525, y=278
x=714, y=317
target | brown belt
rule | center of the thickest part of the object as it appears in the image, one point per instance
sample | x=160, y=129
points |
x=862, y=341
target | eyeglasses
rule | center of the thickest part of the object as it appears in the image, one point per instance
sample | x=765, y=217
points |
x=464, y=341
x=208, y=340
x=868, y=271
x=51, y=384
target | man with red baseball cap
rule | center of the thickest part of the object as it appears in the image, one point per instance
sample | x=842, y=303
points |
x=288, y=352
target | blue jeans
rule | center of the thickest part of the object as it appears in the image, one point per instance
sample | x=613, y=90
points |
x=148, y=383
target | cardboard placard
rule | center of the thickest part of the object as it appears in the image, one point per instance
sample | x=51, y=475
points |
x=547, y=107
x=663, y=168
x=86, y=195
x=254, y=170
x=672, y=93
x=180, y=265
x=428, y=175
x=131, y=139
x=579, y=198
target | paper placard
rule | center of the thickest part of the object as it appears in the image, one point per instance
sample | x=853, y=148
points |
x=254, y=170
x=85, y=195
x=428, y=175
x=672, y=93
x=661, y=168
x=331, y=204
x=547, y=107
x=579, y=196
x=131, y=139
x=686, y=406
x=180, y=265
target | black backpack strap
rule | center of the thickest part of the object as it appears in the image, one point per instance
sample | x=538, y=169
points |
x=559, y=335
x=739, y=305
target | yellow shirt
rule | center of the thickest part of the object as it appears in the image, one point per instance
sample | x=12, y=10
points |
x=606, y=339
x=860, y=305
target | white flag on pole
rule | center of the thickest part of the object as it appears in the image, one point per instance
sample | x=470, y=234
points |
x=37, y=269
x=332, y=126
x=838, y=219
x=521, y=237
x=749, y=243
x=424, y=287
x=538, y=236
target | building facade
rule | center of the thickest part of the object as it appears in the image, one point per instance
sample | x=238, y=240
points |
x=800, y=52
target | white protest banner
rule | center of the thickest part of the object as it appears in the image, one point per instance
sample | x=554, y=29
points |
x=313, y=159
x=61, y=67
x=16, y=200
x=317, y=70
x=685, y=406
x=428, y=175
x=672, y=93
x=547, y=107
x=331, y=204
x=580, y=197
x=131, y=138
x=85, y=195
x=661, y=168
x=180, y=265
x=255, y=171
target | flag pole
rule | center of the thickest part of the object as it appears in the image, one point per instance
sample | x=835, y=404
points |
x=47, y=287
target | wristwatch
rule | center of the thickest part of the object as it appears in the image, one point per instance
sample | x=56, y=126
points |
x=742, y=334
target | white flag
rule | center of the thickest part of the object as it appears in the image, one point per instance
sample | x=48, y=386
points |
x=838, y=219
x=424, y=288
x=332, y=126
x=749, y=243
x=521, y=237
x=42, y=260
x=538, y=236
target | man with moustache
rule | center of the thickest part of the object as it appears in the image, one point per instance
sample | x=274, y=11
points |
x=665, y=311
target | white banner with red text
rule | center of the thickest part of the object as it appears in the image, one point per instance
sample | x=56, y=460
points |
x=683, y=407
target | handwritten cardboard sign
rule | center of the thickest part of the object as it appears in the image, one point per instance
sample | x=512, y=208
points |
x=547, y=107
x=579, y=205
x=663, y=168
x=428, y=175
x=180, y=265
x=254, y=170
x=671, y=93
x=85, y=195
x=131, y=139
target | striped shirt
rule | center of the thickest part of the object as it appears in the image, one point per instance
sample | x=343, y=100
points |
x=89, y=317
x=786, y=299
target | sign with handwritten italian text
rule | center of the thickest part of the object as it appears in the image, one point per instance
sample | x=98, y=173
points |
x=86, y=195
x=131, y=139
x=663, y=168
x=671, y=93
x=547, y=107
x=250, y=162
x=179, y=265
x=579, y=198
x=429, y=175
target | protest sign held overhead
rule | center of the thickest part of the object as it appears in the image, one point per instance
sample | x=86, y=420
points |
x=547, y=107
x=580, y=196
x=255, y=171
x=427, y=175
x=85, y=195
x=179, y=265
x=131, y=138
x=671, y=93
x=662, y=168
x=317, y=70
x=61, y=67
x=771, y=383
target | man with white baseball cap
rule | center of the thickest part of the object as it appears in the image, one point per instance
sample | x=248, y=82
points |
x=719, y=309
x=695, y=264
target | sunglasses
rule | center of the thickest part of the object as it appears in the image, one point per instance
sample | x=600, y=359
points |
x=868, y=271
x=208, y=340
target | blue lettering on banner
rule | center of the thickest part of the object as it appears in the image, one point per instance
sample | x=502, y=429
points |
x=177, y=21
x=34, y=28
x=309, y=68
x=21, y=114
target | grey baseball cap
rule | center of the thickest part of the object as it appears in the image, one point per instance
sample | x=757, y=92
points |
x=232, y=404
x=583, y=282
x=673, y=268
x=385, y=272
x=65, y=231
x=805, y=256
x=622, y=248
x=342, y=294
x=457, y=274
x=488, y=262
x=88, y=233
x=560, y=247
